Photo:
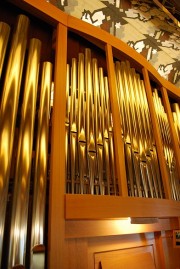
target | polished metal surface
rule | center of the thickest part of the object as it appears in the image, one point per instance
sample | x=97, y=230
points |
x=4, y=37
x=167, y=145
x=19, y=219
x=8, y=111
x=90, y=162
x=176, y=117
x=143, y=172
x=40, y=177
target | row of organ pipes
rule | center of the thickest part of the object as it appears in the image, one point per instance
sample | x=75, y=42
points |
x=20, y=76
x=90, y=160
x=89, y=130
x=90, y=153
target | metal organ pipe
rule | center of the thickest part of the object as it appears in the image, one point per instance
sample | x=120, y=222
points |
x=4, y=36
x=19, y=220
x=40, y=177
x=8, y=111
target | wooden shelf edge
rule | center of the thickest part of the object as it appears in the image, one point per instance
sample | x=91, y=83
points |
x=94, y=228
x=91, y=207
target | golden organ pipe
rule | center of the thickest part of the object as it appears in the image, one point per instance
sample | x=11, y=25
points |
x=105, y=130
x=91, y=149
x=176, y=117
x=98, y=126
x=40, y=178
x=73, y=125
x=4, y=37
x=67, y=127
x=127, y=143
x=111, y=143
x=8, y=111
x=18, y=233
x=140, y=152
x=81, y=124
x=167, y=143
x=135, y=152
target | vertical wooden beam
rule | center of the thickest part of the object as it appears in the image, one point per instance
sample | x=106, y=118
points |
x=157, y=136
x=57, y=178
x=160, y=250
x=119, y=146
x=172, y=127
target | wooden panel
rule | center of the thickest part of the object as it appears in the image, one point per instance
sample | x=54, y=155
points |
x=139, y=261
x=76, y=257
x=57, y=179
x=171, y=254
x=97, y=228
x=117, y=248
x=108, y=207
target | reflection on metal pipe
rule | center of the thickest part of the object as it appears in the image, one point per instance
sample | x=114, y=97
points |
x=91, y=156
x=167, y=144
x=8, y=111
x=89, y=132
x=18, y=233
x=4, y=36
x=176, y=117
x=142, y=165
x=40, y=178
x=73, y=125
x=81, y=124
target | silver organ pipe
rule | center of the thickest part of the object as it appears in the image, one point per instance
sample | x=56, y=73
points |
x=8, y=111
x=90, y=151
x=19, y=219
x=18, y=136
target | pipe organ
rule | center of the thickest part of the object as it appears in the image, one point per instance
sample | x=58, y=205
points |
x=83, y=124
x=22, y=82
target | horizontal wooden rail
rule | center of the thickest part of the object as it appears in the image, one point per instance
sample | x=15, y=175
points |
x=90, y=207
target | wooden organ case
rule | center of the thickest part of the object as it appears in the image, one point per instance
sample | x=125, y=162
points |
x=89, y=147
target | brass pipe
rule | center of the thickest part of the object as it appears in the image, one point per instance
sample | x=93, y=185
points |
x=73, y=125
x=8, y=111
x=132, y=128
x=90, y=121
x=18, y=233
x=98, y=87
x=176, y=116
x=132, y=186
x=146, y=172
x=111, y=142
x=168, y=151
x=81, y=125
x=40, y=177
x=151, y=148
x=138, y=144
x=105, y=132
x=67, y=123
x=4, y=37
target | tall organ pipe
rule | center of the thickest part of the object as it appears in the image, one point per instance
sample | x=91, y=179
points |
x=8, y=112
x=18, y=233
x=4, y=36
x=40, y=179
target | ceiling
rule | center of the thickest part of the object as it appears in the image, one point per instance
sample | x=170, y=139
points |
x=173, y=6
